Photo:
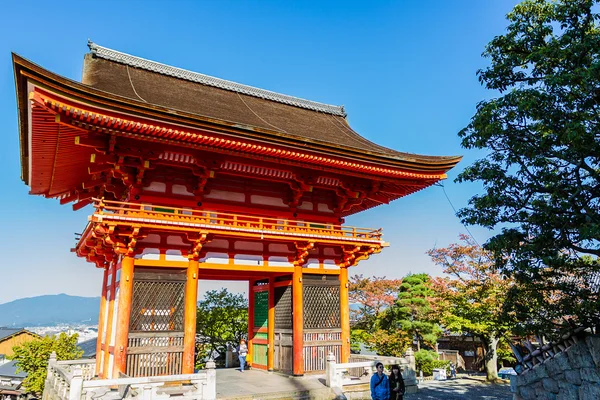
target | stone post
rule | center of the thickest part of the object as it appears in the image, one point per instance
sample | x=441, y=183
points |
x=76, y=384
x=50, y=377
x=410, y=375
x=331, y=377
x=211, y=381
x=229, y=357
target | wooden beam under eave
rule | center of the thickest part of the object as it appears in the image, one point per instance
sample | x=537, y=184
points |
x=139, y=262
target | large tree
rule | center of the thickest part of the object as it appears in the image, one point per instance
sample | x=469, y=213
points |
x=32, y=358
x=469, y=299
x=541, y=174
x=410, y=317
x=222, y=320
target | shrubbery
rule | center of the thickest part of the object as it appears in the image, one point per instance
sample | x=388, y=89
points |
x=427, y=361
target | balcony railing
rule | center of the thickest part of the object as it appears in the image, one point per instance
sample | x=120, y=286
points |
x=74, y=380
x=151, y=214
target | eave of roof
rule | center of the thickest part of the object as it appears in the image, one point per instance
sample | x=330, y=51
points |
x=26, y=70
x=153, y=66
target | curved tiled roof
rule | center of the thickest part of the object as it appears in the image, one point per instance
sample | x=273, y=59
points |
x=178, y=90
x=163, y=69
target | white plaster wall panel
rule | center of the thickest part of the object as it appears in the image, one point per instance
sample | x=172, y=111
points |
x=330, y=264
x=174, y=255
x=267, y=200
x=279, y=248
x=181, y=190
x=215, y=258
x=254, y=246
x=279, y=262
x=114, y=320
x=218, y=243
x=156, y=187
x=313, y=263
x=176, y=240
x=323, y=207
x=306, y=205
x=151, y=238
x=225, y=195
x=329, y=251
x=149, y=253
x=247, y=259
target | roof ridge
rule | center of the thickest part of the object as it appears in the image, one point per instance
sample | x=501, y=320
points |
x=164, y=69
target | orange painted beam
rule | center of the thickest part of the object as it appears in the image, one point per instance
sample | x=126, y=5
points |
x=298, y=322
x=123, y=315
x=271, y=326
x=191, y=300
x=106, y=374
x=250, y=322
x=101, y=318
x=344, y=315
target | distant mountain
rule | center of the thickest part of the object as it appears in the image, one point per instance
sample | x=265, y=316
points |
x=50, y=310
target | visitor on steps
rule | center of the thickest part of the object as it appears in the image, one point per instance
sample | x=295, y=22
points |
x=380, y=387
x=242, y=350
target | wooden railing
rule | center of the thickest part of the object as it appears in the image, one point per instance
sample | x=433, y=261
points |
x=74, y=380
x=159, y=214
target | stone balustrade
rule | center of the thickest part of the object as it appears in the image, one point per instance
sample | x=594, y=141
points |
x=74, y=380
x=339, y=375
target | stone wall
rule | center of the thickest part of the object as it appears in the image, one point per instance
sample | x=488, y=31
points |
x=573, y=374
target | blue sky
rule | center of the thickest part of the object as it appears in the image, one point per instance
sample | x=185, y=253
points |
x=405, y=71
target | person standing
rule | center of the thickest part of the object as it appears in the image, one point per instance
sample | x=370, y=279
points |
x=380, y=387
x=242, y=351
x=397, y=387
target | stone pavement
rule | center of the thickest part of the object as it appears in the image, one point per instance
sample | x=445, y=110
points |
x=255, y=384
x=461, y=389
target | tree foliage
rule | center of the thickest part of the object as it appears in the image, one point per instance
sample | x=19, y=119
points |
x=370, y=297
x=470, y=298
x=392, y=313
x=410, y=315
x=541, y=175
x=222, y=320
x=32, y=357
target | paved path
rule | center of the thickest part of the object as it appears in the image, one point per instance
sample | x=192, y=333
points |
x=461, y=389
x=232, y=384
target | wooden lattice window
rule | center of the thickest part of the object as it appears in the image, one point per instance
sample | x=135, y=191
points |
x=157, y=306
x=283, y=307
x=321, y=306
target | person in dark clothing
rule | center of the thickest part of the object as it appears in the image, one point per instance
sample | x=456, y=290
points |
x=397, y=387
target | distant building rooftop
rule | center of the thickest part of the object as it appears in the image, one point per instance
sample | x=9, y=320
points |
x=10, y=370
x=88, y=347
x=8, y=332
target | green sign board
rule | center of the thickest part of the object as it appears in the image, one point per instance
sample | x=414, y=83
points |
x=261, y=309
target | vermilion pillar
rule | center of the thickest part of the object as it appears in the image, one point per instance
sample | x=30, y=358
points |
x=124, y=315
x=344, y=315
x=106, y=374
x=298, y=321
x=101, y=318
x=271, y=326
x=191, y=301
x=250, y=322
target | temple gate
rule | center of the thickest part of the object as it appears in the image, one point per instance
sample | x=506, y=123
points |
x=194, y=177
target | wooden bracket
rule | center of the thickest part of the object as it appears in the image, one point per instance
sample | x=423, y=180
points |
x=302, y=250
x=198, y=243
